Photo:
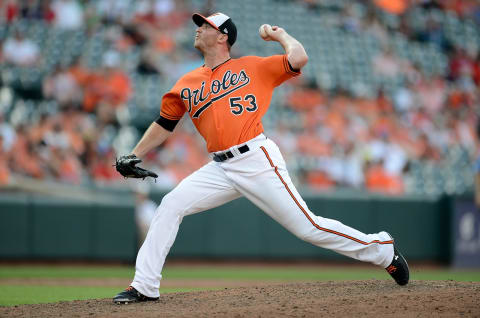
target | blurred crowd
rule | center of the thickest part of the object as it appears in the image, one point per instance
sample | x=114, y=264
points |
x=76, y=144
x=361, y=141
x=339, y=139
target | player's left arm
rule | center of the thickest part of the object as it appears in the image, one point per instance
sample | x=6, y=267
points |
x=297, y=57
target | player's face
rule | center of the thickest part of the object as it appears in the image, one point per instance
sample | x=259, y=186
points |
x=205, y=37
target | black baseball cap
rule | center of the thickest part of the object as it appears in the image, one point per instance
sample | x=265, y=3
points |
x=219, y=21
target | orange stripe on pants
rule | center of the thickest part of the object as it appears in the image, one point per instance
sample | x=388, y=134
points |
x=308, y=216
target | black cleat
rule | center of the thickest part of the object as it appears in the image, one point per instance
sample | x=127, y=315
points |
x=131, y=295
x=398, y=269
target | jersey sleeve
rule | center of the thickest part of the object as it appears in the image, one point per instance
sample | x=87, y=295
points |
x=172, y=106
x=276, y=69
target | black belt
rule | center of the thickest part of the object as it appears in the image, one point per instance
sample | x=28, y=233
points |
x=228, y=154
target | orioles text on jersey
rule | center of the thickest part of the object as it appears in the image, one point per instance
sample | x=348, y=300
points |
x=230, y=83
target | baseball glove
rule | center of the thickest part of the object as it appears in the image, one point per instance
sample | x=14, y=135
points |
x=126, y=166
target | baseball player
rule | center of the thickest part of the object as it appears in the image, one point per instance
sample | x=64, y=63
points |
x=226, y=99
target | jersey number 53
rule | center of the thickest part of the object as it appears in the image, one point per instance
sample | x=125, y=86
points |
x=237, y=108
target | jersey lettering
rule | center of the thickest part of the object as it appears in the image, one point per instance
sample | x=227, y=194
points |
x=237, y=108
x=251, y=98
x=232, y=98
x=230, y=83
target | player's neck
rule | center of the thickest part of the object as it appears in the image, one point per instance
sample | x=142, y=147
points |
x=214, y=59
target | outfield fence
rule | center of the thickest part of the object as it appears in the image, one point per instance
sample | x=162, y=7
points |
x=39, y=227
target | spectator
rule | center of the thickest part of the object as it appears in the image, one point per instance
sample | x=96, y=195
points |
x=352, y=166
x=21, y=51
x=403, y=99
x=163, y=8
x=62, y=86
x=383, y=102
x=68, y=14
x=379, y=180
x=372, y=25
x=112, y=11
x=65, y=165
x=309, y=143
x=351, y=20
x=460, y=64
x=461, y=8
x=393, y=6
x=7, y=133
x=80, y=73
x=306, y=96
x=25, y=155
x=56, y=138
x=2, y=59
x=475, y=13
x=166, y=176
x=387, y=65
x=134, y=35
x=476, y=70
x=4, y=169
x=102, y=170
x=319, y=180
x=10, y=10
x=432, y=94
x=431, y=4
x=460, y=97
x=285, y=140
x=147, y=65
x=153, y=12
x=47, y=12
x=395, y=160
x=476, y=168
x=435, y=34
x=37, y=10
x=145, y=210
x=108, y=89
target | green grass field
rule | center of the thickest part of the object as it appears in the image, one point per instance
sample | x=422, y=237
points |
x=15, y=294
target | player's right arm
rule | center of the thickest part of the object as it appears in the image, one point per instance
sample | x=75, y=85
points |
x=297, y=57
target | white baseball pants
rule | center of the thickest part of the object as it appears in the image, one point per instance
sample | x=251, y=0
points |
x=261, y=176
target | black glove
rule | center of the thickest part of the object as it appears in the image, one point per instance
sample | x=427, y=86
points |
x=126, y=166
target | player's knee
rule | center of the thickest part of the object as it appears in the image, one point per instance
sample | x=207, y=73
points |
x=170, y=204
x=304, y=235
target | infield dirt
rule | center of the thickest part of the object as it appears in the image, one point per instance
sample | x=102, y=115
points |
x=371, y=298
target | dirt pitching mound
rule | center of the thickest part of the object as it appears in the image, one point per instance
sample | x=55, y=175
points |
x=372, y=298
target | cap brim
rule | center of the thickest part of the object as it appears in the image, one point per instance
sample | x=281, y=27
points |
x=199, y=19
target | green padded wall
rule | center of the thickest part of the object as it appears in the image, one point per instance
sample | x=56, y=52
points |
x=15, y=227
x=47, y=228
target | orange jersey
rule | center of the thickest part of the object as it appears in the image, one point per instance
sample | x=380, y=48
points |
x=226, y=104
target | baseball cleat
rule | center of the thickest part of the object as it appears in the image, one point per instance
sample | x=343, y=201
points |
x=398, y=269
x=131, y=295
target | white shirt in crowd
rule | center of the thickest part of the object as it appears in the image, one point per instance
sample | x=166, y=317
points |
x=68, y=14
x=144, y=212
x=21, y=51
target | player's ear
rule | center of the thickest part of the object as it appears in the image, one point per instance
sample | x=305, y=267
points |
x=222, y=38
